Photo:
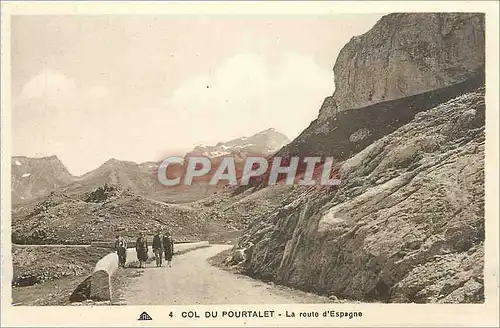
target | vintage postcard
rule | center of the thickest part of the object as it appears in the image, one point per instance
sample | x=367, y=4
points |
x=250, y=163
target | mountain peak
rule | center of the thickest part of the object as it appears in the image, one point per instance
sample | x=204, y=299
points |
x=270, y=130
x=113, y=161
x=43, y=158
x=264, y=142
x=34, y=177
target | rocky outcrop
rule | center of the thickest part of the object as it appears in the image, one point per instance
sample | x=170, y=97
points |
x=103, y=193
x=406, y=225
x=406, y=54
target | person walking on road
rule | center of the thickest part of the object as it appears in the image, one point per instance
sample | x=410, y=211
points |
x=121, y=250
x=157, y=248
x=141, y=247
x=117, y=239
x=168, y=247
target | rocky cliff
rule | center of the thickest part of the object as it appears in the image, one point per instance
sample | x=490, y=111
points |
x=406, y=124
x=407, y=224
x=406, y=54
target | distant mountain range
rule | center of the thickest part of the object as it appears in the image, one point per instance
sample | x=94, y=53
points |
x=36, y=177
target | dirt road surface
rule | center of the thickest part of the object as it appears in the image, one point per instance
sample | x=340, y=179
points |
x=192, y=280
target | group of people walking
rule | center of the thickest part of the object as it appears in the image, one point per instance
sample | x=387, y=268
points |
x=162, y=245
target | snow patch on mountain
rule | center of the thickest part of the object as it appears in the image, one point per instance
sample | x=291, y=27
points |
x=264, y=142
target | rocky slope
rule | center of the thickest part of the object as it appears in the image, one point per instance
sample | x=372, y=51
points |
x=35, y=177
x=407, y=224
x=406, y=54
x=98, y=215
x=239, y=209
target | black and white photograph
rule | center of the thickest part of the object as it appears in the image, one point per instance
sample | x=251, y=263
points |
x=334, y=159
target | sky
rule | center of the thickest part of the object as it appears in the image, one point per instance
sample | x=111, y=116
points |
x=138, y=88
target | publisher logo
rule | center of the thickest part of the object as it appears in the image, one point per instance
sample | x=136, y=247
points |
x=145, y=316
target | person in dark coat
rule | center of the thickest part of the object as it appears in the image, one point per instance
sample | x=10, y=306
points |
x=141, y=247
x=121, y=250
x=168, y=248
x=157, y=248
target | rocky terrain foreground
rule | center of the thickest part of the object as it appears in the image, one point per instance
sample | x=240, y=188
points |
x=47, y=275
x=33, y=265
